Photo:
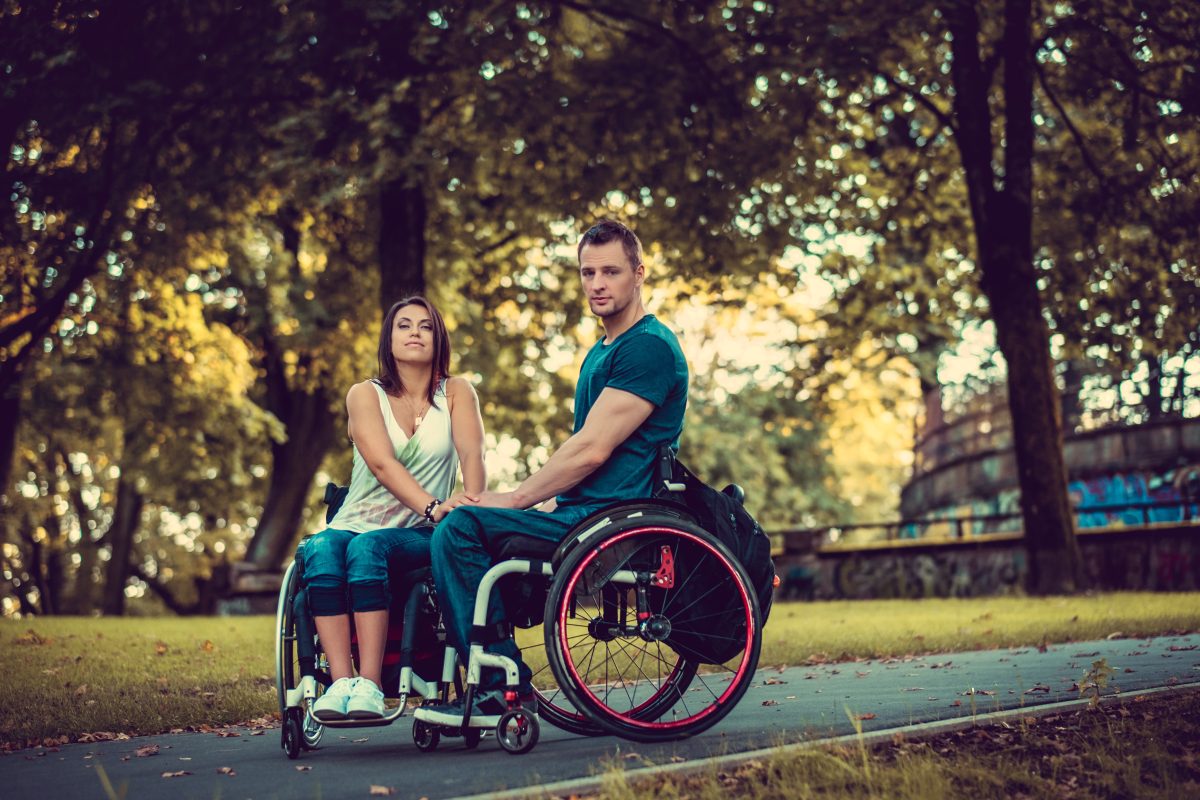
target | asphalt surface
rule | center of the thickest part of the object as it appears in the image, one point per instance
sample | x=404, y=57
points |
x=783, y=705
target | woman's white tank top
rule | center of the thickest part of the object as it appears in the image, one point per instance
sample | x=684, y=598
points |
x=429, y=456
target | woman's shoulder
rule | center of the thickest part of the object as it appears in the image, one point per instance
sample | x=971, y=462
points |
x=368, y=388
x=457, y=386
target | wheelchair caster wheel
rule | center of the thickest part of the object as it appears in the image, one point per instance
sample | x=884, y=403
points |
x=471, y=737
x=293, y=736
x=517, y=731
x=425, y=737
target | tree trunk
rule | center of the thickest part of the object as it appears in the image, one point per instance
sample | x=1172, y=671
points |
x=402, y=218
x=1074, y=371
x=127, y=516
x=1004, y=239
x=1153, y=399
x=311, y=432
x=10, y=417
x=52, y=599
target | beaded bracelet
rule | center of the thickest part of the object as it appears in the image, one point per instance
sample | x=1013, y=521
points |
x=429, y=509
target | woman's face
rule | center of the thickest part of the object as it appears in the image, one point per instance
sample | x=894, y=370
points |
x=412, y=336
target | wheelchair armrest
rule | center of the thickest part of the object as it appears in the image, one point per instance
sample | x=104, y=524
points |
x=665, y=467
x=736, y=492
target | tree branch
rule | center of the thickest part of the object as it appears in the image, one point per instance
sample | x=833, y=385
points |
x=1066, y=118
x=164, y=594
x=946, y=120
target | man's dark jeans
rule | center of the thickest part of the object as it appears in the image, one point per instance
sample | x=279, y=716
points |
x=461, y=546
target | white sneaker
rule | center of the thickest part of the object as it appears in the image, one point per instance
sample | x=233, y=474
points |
x=366, y=700
x=332, y=705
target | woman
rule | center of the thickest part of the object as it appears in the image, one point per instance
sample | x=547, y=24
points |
x=411, y=427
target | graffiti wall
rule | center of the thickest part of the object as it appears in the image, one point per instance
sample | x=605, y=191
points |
x=1154, y=560
x=1176, y=492
x=1178, y=488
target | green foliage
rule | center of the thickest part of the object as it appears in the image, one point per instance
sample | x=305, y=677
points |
x=202, y=224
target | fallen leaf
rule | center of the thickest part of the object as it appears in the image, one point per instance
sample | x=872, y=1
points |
x=956, y=703
x=258, y=733
x=1179, y=648
x=160, y=648
x=303, y=768
x=858, y=674
x=146, y=750
x=208, y=646
x=868, y=715
x=82, y=690
x=631, y=756
x=770, y=702
x=1129, y=669
x=772, y=682
x=1086, y=655
x=914, y=689
x=32, y=637
x=226, y=771
x=677, y=759
x=1041, y=687
x=360, y=741
x=381, y=790
x=178, y=774
x=1114, y=635
x=231, y=734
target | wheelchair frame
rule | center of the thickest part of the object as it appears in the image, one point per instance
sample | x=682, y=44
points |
x=621, y=612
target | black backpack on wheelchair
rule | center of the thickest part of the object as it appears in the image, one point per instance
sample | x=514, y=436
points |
x=722, y=515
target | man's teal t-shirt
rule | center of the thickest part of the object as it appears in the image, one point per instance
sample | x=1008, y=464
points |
x=645, y=360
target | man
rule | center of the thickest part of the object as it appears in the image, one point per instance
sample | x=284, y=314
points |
x=630, y=400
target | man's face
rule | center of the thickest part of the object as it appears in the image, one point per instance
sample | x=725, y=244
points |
x=610, y=282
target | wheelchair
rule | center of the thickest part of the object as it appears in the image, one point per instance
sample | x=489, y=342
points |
x=651, y=631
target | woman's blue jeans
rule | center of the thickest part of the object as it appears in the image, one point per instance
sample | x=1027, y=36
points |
x=349, y=571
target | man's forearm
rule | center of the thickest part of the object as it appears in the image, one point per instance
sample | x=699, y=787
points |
x=570, y=464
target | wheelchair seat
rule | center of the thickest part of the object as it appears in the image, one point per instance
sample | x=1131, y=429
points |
x=521, y=546
x=526, y=547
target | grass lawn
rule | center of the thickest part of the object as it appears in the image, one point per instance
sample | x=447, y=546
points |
x=1144, y=746
x=71, y=676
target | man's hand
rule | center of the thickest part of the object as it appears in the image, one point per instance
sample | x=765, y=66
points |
x=460, y=499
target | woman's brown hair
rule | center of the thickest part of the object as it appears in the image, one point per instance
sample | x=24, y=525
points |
x=389, y=376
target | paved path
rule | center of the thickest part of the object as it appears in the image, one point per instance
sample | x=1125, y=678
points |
x=782, y=706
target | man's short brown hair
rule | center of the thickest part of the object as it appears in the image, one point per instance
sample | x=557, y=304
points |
x=609, y=230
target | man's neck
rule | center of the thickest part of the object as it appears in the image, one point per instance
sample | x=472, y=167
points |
x=615, y=325
x=416, y=379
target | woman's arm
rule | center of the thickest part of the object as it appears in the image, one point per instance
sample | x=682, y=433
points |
x=370, y=436
x=466, y=428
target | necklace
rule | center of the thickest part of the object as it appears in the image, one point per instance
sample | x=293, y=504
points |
x=417, y=415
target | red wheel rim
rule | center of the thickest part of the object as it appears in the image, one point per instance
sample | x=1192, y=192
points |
x=628, y=716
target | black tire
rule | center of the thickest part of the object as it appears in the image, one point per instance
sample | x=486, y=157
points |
x=292, y=735
x=517, y=731
x=471, y=737
x=426, y=737
x=287, y=666
x=552, y=703
x=285, y=641
x=599, y=683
